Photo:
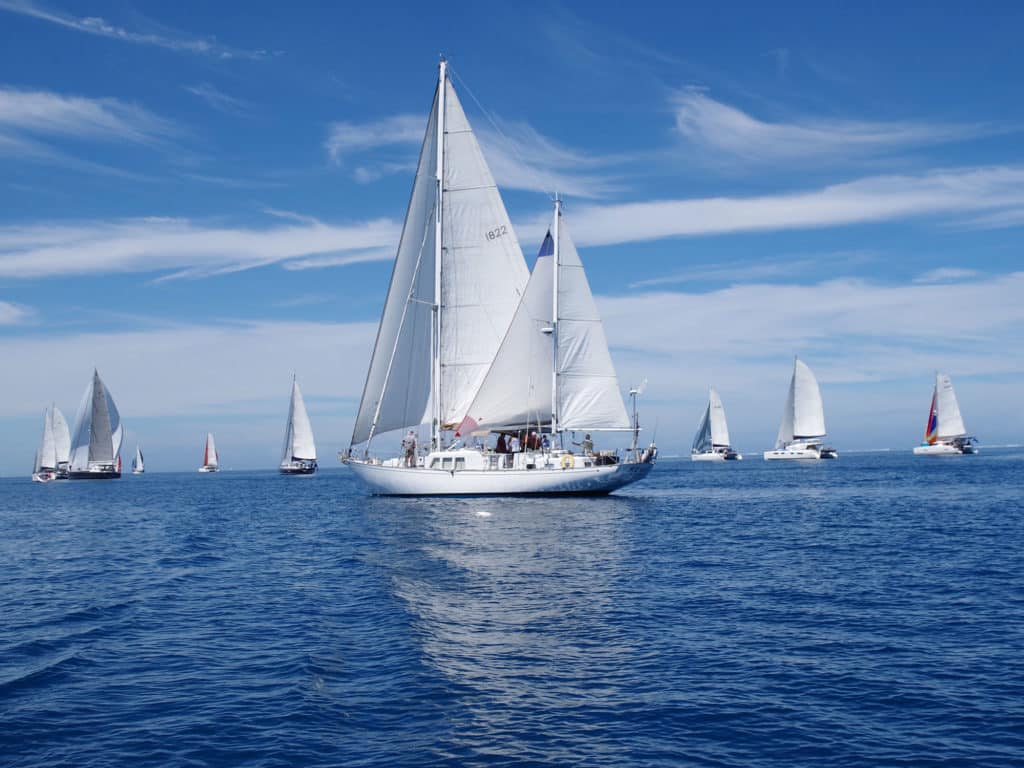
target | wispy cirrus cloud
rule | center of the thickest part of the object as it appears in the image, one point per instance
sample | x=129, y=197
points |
x=946, y=275
x=219, y=100
x=179, y=247
x=518, y=155
x=94, y=25
x=13, y=314
x=725, y=133
x=749, y=271
x=25, y=113
x=955, y=194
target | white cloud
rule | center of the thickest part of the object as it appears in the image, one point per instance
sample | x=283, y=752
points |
x=346, y=138
x=219, y=100
x=93, y=25
x=341, y=260
x=955, y=193
x=719, y=130
x=749, y=271
x=50, y=114
x=159, y=245
x=13, y=314
x=946, y=275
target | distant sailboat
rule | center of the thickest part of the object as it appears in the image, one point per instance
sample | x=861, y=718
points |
x=803, y=420
x=712, y=440
x=138, y=465
x=54, y=448
x=210, y=463
x=298, y=456
x=96, y=448
x=945, y=433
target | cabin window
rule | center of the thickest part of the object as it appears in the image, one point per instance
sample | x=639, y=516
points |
x=460, y=463
x=434, y=463
x=446, y=463
x=493, y=462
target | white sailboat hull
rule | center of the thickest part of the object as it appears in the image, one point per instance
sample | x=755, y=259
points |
x=208, y=469
x=798, y=452
x=941, y=449
x=716, y=456
x=407, y=481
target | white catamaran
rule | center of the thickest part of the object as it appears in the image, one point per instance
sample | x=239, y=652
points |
x=470, y=342
x=802, y=431
x=54, y=451
x=298, y=456
x=96, y=448
x=138, y=465
x=210, y=462
x=711, y=442
x=945, y=434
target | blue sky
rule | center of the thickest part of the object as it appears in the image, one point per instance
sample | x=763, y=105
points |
x=200, y=199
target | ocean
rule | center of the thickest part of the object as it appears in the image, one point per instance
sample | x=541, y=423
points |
x=862, y=612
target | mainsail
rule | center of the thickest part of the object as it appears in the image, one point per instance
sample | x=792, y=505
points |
x=97, y=428
x=950, y=422
x=61, y=436
x=298, y=434
x=458, y=277
x=46, y=455
x=803, y=417
x=210, y=454
x=553, y=366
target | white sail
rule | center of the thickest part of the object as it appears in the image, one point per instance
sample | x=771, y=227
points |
x=61, y=436
x=476, y=283
x=516, y=393
x=46, y=456
x=950, y=422
x=588, y=389
x=808, y=410
x=97, y=428
x=718, y=426
x=298, y=434
x=785, y=436
x=138, y=465
x=702, y=440
x=210, y=455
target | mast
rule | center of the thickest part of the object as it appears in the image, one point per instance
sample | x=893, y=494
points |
x=435, y=338
x=554, y=320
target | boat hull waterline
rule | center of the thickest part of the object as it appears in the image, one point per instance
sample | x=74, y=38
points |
x=407, y=481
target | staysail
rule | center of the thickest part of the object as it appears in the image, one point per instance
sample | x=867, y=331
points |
x=950, y=422
x=530, y=374
x=97, y=428
x=458, y=253
x=298, y=434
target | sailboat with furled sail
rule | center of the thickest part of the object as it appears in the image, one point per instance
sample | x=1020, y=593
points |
x=945, y=434
x=96, y=447
x=298, y=456
x=471, y=343
x=802, y=431
x=711, y=442
x=210, y=461
x=54, y=451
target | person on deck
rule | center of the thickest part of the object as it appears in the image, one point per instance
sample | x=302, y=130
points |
x=587, y=445
x=409, y=448
x=513, y=444
x=500, y=447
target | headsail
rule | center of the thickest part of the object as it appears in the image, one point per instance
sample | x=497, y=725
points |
x=702, y=441
x=950, y=422
x=931, y=430
x=719, y=427
x=463, y=258
x=46, y=456
x=210, y=454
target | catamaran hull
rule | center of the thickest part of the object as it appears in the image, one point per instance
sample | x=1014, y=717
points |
x=403, y=481
x=716, y=457
x=942, y=449
x=297, y=470
x=790, y=454
x=87, y=475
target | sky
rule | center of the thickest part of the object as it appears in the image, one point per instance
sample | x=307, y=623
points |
x=203, y=199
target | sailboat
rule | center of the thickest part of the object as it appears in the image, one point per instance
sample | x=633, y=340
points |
x=138, y=465
x=711, y=442
x=298, y=456
x=945, y=433
x=471, y=343
x=54, y=449
x=802, y=431
x=96, y=447
x=210, y=463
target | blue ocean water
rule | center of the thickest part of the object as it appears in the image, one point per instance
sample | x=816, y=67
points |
x=863, y=612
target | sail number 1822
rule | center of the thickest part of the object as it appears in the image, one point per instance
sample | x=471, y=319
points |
x=494, y=234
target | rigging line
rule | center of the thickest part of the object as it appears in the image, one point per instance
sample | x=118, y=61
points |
x=492, y=121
